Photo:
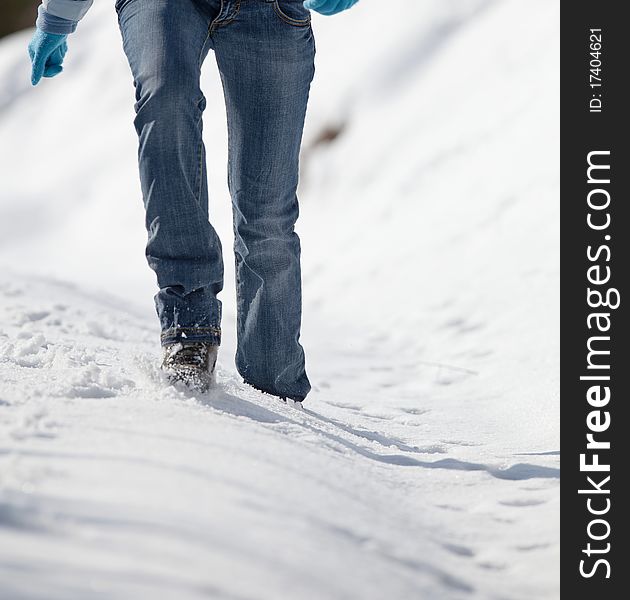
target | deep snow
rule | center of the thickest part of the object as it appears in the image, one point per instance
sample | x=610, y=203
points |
x=426, y=461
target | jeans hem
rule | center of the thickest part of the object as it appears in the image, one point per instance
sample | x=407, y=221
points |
x=210, y=335
x=281, y=396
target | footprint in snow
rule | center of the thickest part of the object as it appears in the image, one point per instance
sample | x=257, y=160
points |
x=459, y=550
x=522, y=502
x=92, y=381
x=34, y=423
x=10, y=291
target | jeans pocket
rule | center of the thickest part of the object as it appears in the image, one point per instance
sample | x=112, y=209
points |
x=292, y=12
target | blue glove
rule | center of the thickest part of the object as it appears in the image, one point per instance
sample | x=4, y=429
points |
x=46, y=51
x=329, y=7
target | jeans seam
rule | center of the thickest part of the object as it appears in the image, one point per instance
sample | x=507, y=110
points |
x=287, y=19
x=200, y=147
x=212, y=26
x=230, y=188
x=200, y=167
x=218, y=22
x=203, y=46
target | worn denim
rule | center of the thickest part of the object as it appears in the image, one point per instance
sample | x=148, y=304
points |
x=265, y=54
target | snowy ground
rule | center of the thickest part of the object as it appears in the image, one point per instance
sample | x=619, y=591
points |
x=425, y=463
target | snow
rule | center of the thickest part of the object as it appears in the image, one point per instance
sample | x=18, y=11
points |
x=425, y=463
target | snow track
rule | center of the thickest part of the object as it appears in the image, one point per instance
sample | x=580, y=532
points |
x=116, y=485
x=424, y=464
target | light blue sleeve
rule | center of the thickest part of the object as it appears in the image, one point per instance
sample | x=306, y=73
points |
x=61, y=16
x=51, y=24
x=72, y=10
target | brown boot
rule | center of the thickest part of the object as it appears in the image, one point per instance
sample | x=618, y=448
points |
x=192, y=363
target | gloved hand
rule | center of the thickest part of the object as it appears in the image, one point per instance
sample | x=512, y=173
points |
x=46, y=51
x=329, y=7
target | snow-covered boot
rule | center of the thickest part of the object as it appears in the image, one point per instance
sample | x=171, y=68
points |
x=192, y=363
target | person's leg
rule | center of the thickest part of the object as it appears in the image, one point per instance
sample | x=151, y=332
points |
x=265, y=53
x=166, y=43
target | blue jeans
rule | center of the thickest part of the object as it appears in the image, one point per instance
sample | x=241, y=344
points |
x=265, y=54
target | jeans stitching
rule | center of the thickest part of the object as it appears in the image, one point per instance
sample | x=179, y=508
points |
x=199, y=186
x=218, y=22
x=200, y=147
x=230, y=188
x=236, y=11
x=212, y=26
x=287, y=19
x=203, y=46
